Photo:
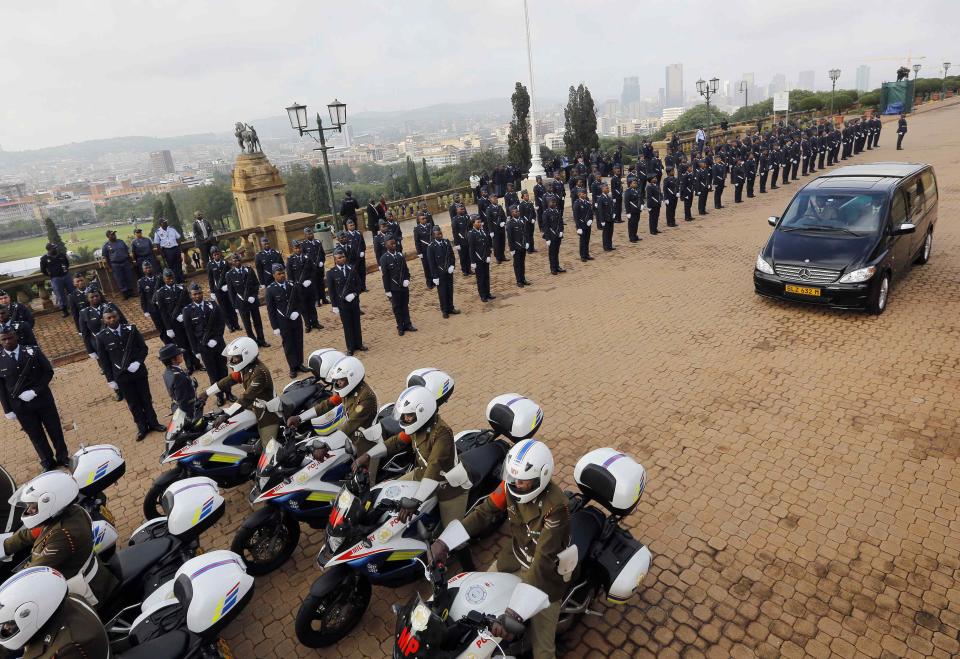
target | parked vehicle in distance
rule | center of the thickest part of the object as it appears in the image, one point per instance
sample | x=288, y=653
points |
x=848, y=236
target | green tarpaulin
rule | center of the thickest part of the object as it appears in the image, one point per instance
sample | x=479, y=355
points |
x=896, y=97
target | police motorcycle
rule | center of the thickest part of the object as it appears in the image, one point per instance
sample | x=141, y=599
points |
x=366, y=544
x=229, y=452
x=95, y=468
x=456, y=621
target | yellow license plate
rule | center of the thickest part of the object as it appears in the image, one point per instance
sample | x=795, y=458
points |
x=107, y=516
x=803, y=290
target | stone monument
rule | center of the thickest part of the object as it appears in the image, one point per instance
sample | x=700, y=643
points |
x=258, y=189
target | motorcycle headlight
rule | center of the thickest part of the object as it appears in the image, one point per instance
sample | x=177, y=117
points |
x=763, y=266
x=857, y=276
x=420, y=618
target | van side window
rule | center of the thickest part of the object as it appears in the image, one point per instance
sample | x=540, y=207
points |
x=930, y=188
x=898, y=208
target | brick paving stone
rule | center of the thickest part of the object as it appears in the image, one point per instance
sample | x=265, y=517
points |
x=802, y=470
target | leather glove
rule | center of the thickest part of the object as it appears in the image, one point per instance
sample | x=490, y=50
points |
x=170, y=333
x=335, y=310
x=294, y=315
x=406, y=283
x=224, y=288
x=27, y=396
x=251, y=299
x=133, y=367
x=450, y=270
x=306, y=283
x=389, y=294
x=112, y=385
x=436, y=282
x=180, y=318
x=146, y=314
x=579, y=232
x=11, y=416
x=350, y=297
x=211, y=343
x=276, y=332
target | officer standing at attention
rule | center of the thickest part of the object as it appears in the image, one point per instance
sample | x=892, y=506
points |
x=380, y=242
x=670, y=194
x=181, y=388
x=147, y=286
x=394, y=229
x=396, y=285
x=25, y=334
x=25, y=375
x=116, y=254
x=704, y=176
x=91, y=319
x=632, y=206
x=265, y=260
x=170, y=300
x=168, y=240
x=616, y=193
x=313, y=250
x=560, y=192
x=538, y=523
x=461, y=226
x=583, y=218
x=243, y=288
x=603, y=211
x=344, y=287
x=122, y=351
x=204, y=324
x=480, y=248
x=654, y=198
x=750, y=170
x=553, y=234
x=529, y=213
x=359, y=247
x=496, y=222
x=217, y=269
x=442, y=264
x=78, y=299
x=719, y=180
x=297, y=268
x=739, y=176
x=901, y=130
x=142, y=249
x=539, y=190
x=516, y=234
x=687, y=185
x=422, y=236
x=203, y=236
x=282, y=310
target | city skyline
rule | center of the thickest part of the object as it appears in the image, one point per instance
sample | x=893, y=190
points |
x=202, y=67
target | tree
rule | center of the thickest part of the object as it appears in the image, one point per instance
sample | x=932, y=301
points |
x=842, y=101
x=157, y=214
x=518, y=139
x=870, y=99
x=427, y=185
x=580, y=131
x=694, y=118
x=319, y=192
x=53, y=236
x=810, y=103
x=412, y=182
x=170, y=213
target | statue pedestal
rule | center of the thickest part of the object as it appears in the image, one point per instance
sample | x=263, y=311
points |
x=258, y=191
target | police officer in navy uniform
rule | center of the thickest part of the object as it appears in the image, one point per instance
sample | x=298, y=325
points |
x=395, y=230
x=704, y=176
x=632, y=206
x=560, y=193
x=344, y=288
x=687, y=185
x=265, y=260
x=297, y=269
x=313, y=250
x=243, y=288
x=461, y=226
x=78, y=299
x=654, y=199
x=116, y=254
x=511, y=198
x=147, y=287
x=616, y=193
x=170, y=300
x=217, y=269
x=670, y=195
x=422, y=237
x=583, y=218
x=283, y=312
x=901, y=130
x=359, y=246
x=553, y=234
x=719, y=182
x=122, y=351
x=91, y=319
x=380, y=241
x=442, y=265
x=603, y=211
x=396, y=285
x=529, y=213
x=181, y=388
x=539, y=190
x=479, y=242
x=750, y=171
x=18, y=312
x=516, y=234
x=143, y=251
x=739, y=176
x=205, y=325
x=496, y=222
x=25, y=375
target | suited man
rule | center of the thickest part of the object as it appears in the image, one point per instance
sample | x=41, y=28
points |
x=344, y=289
x=496, y=222
x=170, y=299
x=654, y=199
x=313, y=250
x=422, y=237
x=91, y=318
x=25, y=334
x=703, y=187
x=603, y=211
x=396, y=285
x=203, y=236
x=349, y=207
x=442, y=265
x=529, y=213
x=687, y=186
x=297, y=268
x=243, y=288
x=217, y=269
x=583, y=219
x=122, y=351
x=265, y=260
x=25, y=375
x=901, y=130
x=480, y=248
x=142, y=249
x=539, y=190
x=204, y=325
x=516, y=233
x=373, y=216
x=553, y=234
x=147, y=287
x=739, y=176
x=461, y=226
x=285, y=319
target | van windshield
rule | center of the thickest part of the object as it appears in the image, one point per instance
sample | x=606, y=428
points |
x=848, y=212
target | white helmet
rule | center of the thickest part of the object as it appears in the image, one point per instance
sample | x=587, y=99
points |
x=418, y=401
x=529, y=460
x=349, y=369
x=46, y=496
x=244, y=349
x=322, y=360
x=27, y=601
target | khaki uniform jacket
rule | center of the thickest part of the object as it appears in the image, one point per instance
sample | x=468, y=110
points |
x=73, y=632
x=433, y=452
x=257, y=384
x=360, y=406
x=65, y=544
x=538, y=529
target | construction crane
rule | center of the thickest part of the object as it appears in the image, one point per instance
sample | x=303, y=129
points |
x=910, y=57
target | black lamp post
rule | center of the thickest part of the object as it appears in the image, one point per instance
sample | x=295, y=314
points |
x=943, y=88
x=916, y=70
x=708, y=89
x=834, y=75
x=338, y=117
x=745, y=90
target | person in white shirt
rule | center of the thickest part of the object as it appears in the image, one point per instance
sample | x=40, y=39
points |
x=168, y=240
x=701, y=140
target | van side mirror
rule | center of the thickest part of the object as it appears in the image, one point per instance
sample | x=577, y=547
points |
x=772, y=220
x=904, y=228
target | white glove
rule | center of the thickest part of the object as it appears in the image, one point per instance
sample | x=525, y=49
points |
x=250, y=300
x=389, y=294
x=294, y=315
x=146, y=314
x=197, y=355
x=112, y=385
x=306, y=283
x=512, y=252
x=436, y=282
x=212, y=343
x=406, y=283
x=561, y=234
x=420, y=256
x=170, y=333
x=224, y=288
x=491, y=234
x=11, y=416
x=450, y=270
x=350, y=297
x=92, y=355
x=579, y=232
x=526, y=245
x=589, y=223
x=473, y=267
x=133, y=367
x=27, y=395
x=335, y=310
x=502, y=224
x=276, y=332
x=213, y=297
x=548, y=243
x=180, y=318
x=361, y=254
x=488, y=259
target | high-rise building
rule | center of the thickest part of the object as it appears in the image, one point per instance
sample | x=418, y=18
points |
x=778, y=84
x=806, y=80
x=161, y=163
x=674, y=86
x=631, y=91
x=863, y=78
x=610, y=108
x=749, y=78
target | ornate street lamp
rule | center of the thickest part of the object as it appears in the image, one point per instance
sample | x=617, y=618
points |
x=916, y=70
x=745, y=90
x=834, y=75
x=338, y=117
x=708, y=89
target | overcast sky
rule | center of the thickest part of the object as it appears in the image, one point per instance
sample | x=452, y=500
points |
x=77, y=70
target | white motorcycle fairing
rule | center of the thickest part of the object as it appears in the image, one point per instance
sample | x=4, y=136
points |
x=310, y=478
x=214, y=441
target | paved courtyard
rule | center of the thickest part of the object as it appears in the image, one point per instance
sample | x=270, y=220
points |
x=802, y=490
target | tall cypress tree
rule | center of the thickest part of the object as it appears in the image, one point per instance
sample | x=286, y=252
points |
x=518, y=140
x=157, y=214
x=53, y=236
x=580, y=126
x=412, y=182
x=170, y=212
x=427, y=184
x=319, y=195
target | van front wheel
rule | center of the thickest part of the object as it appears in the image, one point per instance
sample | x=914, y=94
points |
x=880, y=295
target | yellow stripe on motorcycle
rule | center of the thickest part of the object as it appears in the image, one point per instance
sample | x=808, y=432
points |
x=225, y=457
x=321, y=496
x=615, y=600
x=403, y=555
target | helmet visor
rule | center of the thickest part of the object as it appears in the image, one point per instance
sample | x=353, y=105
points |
x=408, y=418
x=341, y=383
x=8, y=630
x=236, y=359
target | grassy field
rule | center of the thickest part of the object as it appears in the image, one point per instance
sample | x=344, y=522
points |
x=94, y=237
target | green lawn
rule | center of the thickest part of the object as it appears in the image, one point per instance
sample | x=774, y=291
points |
x=94, y=237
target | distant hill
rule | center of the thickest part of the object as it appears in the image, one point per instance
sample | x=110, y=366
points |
x=92, y=149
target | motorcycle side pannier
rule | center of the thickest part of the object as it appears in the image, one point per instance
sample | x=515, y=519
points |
x=192, y=506
x=95, y=468
x=624, y=562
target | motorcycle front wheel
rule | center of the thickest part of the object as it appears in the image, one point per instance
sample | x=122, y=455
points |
x=266, y=547
x=151, y=500
x=325, y=619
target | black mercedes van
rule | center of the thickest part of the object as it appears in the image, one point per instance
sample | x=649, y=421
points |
x=849, y=235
